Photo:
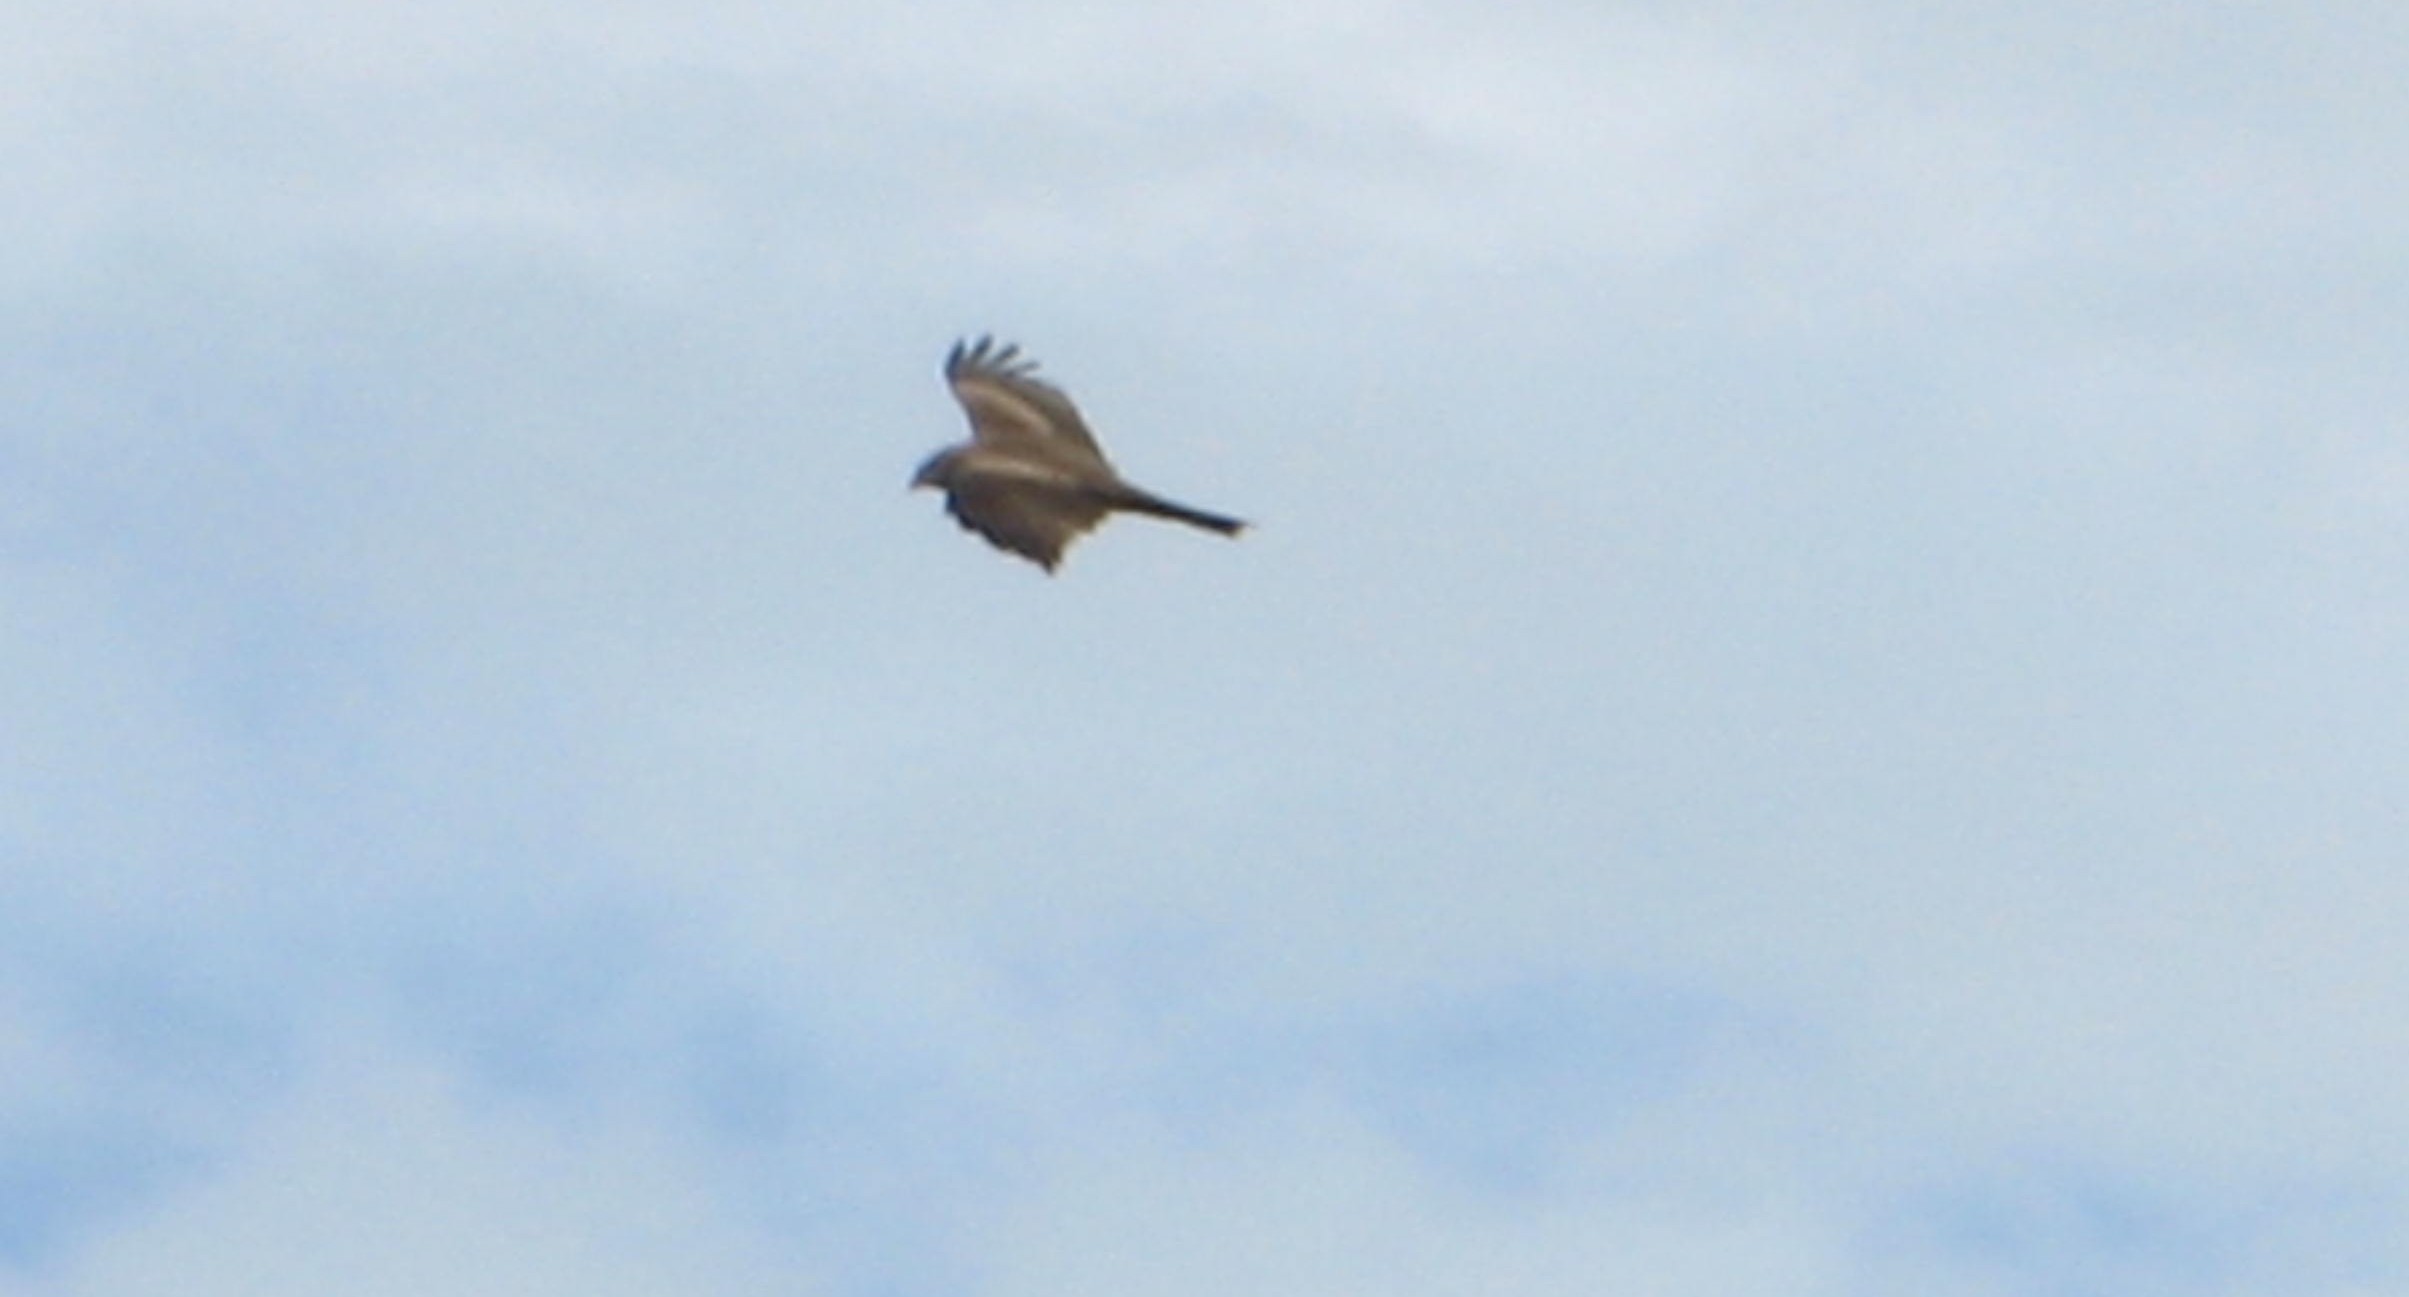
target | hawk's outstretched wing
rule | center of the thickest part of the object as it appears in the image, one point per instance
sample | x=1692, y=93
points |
x=1009, y=406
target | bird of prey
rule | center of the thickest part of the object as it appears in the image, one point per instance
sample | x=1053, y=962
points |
x=1032, y=479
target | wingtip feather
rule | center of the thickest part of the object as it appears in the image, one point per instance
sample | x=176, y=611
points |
x=983, y=355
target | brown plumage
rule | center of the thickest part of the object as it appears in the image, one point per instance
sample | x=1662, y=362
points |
x=1032, y=479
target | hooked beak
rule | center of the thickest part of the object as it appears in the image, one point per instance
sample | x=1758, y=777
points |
x=929, y=473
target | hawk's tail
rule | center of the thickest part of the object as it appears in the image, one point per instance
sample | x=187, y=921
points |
x=1138, y=501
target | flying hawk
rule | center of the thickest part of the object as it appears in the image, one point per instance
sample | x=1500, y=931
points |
x=1032, y=479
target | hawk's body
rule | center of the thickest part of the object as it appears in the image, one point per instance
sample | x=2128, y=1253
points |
x=1032, y=479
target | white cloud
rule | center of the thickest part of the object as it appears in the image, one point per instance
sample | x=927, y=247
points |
x=1309, y=1201
x=383, y=1175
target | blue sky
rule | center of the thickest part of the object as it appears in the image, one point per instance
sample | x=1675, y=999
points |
x=1816, y=706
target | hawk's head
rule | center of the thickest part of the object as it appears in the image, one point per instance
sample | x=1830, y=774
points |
x=938, y=470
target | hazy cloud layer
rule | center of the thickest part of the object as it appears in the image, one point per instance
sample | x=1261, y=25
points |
x=1816, y=706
